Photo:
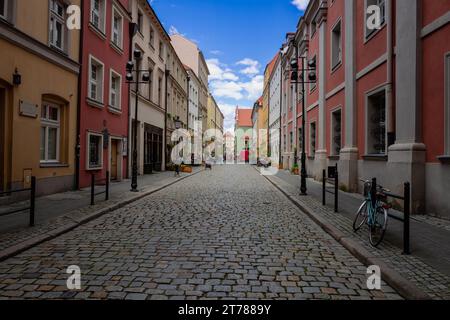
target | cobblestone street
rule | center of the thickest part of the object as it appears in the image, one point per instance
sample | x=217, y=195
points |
x=226, y=233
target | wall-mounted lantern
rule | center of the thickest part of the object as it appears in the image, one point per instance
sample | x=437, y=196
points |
x=17, y=78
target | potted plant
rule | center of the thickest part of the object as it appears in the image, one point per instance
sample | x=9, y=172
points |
x=295, y=169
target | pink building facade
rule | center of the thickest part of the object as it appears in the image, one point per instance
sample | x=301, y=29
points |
x=380, y=107
x=104, y=102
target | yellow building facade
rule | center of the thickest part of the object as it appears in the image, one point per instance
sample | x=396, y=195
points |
x=38, y=95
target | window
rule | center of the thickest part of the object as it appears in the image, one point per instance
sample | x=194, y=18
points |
x=140, y=22
x=312, y=139
x=291, y=140
x=382, y=6
x=115, y=90
x=57, y=24
x=161, y=49
x=313, y=28
x=152, y=37
x=300, y=144
x=3, y=8
x=336, y=132
x=376, y=123
x=284, y=142
x=50, y=132
x=95, y=151
x=313, y=85
x=117, y=28
x=96, y=74
x=160, y=91
x=150, y=84
x=336, y=46
x=98, y=14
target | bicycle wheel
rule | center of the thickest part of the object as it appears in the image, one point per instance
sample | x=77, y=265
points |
x=361, y=217
x=378, y=228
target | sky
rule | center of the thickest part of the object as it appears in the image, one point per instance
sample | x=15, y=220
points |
x=238, y=39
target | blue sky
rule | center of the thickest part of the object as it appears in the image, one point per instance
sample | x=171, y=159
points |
x=238, y=39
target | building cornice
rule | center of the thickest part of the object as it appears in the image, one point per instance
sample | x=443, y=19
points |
x=24, y=41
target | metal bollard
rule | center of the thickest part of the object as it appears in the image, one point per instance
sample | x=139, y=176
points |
x=107, y=186
x=336, y=192
x=324, y=188
x=92, y=189
x=32, y=200
x=406, y=221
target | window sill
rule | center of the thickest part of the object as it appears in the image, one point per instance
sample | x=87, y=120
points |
x=97, y=31
x=375, y=157
x=114, y=110
x=95, y=104
x=311, y=157
x=95, y=169
x=53, y=165
x=336, y=67
x=368, y=37
x=445, y=159
x=334, y=158
x=58, y=50
x=116, y=48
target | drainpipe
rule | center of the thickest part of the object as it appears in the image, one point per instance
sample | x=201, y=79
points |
x=78, y=139
x=131, y=27
x=281, y=106
x=166, y=75
x=389, y=95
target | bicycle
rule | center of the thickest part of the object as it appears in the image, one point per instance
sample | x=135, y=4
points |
x=373, y=212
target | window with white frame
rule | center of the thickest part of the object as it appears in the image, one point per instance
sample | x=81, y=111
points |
x=312, y=139
x=57, y=25
x=336, y=132
x=50, y=132
x=115, y=90
x=98, y=14
x=96, y=74
x=447, y=104
x=161, y=49
x=336, y=45
x=380, y=4
x=140, y=22
x=95, y=151
x=376, y=123
x=150, y=82
x=313, y=84
x=152, y=37
x=117, y=28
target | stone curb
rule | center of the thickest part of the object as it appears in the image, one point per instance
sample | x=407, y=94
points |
x=404, y=287
x=77, y=222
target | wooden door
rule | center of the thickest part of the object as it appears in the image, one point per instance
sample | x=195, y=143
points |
x=114, y=159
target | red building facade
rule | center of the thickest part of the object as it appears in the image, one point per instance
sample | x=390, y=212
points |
x=380, y=107
x=104, y=101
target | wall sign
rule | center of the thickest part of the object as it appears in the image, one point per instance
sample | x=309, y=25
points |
x=27, y=109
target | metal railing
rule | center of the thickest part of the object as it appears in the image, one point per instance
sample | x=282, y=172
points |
x=332, y=178
x=32, y=205
x=406, y=211
x=94, y=183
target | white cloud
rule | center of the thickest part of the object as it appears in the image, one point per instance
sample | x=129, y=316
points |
x=216, y=52
x=173, y=30
x=228, y=111
x=252, y=66
x=219, y=71
x=300, y=4
x=225, y=84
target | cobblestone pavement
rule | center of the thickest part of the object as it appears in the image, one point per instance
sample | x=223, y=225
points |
x=414, y=269
x=226, y=233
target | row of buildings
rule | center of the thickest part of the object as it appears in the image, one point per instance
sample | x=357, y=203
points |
x=69, y=106
x=379, y=105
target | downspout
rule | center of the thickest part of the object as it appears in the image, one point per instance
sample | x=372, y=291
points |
x=389, y=94
x=131, y=27
x=78, y=141
x=166, y=75
x=281, y=106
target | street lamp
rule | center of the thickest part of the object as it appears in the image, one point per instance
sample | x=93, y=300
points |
x=133, y=77
x=312, y=78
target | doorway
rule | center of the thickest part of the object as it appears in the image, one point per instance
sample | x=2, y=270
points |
x=114, y=160
x=153, y=141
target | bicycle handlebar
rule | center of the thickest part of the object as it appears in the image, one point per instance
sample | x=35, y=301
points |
x=378, y=186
